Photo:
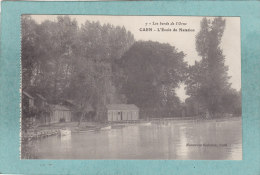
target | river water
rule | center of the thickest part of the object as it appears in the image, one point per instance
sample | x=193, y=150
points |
x=176, y=139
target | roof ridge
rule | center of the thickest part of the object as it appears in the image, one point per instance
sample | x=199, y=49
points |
x=121, y=106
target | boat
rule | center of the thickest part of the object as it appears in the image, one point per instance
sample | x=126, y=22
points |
x=65, y=132
x=165, y=125
x=106, y=128
x=146, y=124
x=117, y=126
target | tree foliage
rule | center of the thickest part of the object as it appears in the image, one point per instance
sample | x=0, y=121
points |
x=152, y=71
x=97, y=64
x=208, y=80
x=64, y=61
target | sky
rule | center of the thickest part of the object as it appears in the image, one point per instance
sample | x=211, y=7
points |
x=184, y=41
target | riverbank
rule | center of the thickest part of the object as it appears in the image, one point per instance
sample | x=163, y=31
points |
x=54, y=129
x=42, y=131
x=196, y=118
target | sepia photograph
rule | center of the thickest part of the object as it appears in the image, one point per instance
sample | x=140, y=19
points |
x=131, y=87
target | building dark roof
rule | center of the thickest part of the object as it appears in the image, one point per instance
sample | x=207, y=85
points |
x=41, y=97
x=122, y=107
x=27, y=94
x=34, y=95
x=70, y=102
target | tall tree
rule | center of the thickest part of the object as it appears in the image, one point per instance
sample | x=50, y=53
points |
x=62, y=61
x=50, y=48
x=98, y=47
x=208, y=79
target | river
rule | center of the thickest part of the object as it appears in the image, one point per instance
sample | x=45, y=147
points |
x=175, y=139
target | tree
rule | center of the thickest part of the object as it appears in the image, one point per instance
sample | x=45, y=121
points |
x=231, y=101
x=97, y=48
x=29, y=54
x=152, y=71
x=48, y=49
x=208, y=79
x=62, y=61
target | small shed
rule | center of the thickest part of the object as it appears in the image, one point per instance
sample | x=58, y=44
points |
x=60, y=114
x=120, y=112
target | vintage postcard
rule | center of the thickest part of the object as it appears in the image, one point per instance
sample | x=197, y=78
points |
x=131, y=87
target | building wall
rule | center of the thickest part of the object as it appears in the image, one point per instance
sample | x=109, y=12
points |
x=119, y=115
x=57, y=115
x=135, y=115
x=31, y=103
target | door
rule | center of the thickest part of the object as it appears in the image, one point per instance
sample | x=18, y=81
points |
x=121, y=115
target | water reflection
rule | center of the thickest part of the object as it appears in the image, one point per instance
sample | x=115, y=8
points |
x=161, y=140
x=65, y=142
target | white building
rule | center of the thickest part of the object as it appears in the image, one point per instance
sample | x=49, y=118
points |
x=119, y=112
